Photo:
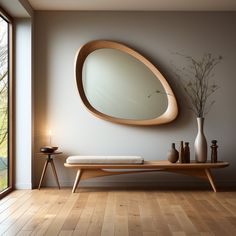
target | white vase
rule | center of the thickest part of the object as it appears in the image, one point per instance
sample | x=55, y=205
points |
x=200, y=145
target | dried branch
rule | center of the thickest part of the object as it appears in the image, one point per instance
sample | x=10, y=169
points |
x=3, y=88
x=195, y=79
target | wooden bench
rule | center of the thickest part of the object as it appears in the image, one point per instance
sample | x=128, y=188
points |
x=199, y=170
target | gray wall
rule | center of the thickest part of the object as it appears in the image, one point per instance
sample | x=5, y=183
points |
x=157, y=35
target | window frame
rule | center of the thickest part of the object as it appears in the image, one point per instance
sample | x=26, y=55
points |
x=10, y=187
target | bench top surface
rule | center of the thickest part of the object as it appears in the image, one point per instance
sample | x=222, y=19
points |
x=150, y=165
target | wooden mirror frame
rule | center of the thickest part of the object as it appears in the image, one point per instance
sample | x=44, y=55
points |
x=172, y=109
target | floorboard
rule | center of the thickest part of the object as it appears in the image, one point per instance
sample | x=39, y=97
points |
x=118, y=211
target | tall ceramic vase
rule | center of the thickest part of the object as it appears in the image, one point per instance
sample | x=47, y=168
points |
x=200, y=145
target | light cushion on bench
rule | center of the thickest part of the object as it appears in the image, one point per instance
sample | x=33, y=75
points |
x=104, y=160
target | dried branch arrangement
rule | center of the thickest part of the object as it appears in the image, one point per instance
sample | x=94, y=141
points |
x=197, y=84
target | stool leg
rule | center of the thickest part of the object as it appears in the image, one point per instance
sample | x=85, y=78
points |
x=54, y=172
x=43, y=173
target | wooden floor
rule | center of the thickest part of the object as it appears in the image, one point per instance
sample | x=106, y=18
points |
x=104, y=211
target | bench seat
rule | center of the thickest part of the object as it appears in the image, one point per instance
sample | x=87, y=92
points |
x=105, y=160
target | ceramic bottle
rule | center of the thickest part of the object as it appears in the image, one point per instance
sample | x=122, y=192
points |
x=181, y=152
x=186, y=153
x=214, y=147
x=173, y=154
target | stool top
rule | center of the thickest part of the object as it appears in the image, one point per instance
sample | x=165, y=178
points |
x=50, y=153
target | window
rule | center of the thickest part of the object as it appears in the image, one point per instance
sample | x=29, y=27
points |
x=5, y=104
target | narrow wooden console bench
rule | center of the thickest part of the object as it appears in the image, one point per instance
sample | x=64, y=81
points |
x=199, y=170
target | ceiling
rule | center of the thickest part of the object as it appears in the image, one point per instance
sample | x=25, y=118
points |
x=15, y=7
x=135, y=5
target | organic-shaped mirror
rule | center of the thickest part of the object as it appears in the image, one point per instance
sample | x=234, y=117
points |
x=118, y=84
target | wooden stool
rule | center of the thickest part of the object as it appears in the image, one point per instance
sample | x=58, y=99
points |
x=47, y=161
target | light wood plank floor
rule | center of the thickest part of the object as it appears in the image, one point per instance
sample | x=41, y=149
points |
x=105, y=211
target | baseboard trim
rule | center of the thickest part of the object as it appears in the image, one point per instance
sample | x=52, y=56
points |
x=23, y=186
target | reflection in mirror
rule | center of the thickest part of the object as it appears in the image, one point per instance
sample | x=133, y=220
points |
x=118, y=84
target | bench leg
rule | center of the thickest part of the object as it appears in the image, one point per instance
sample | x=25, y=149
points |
x=77, y=179
x=199, y=173
x=210, y=178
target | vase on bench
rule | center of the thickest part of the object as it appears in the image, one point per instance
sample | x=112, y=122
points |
x=200, y=144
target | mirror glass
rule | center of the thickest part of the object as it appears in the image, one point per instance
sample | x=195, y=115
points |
x=118, y=85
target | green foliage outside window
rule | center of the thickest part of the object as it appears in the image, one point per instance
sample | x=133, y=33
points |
x=3, y=103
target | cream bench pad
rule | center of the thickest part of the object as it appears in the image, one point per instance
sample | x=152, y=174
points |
x=104, y=160
x=199, y=170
